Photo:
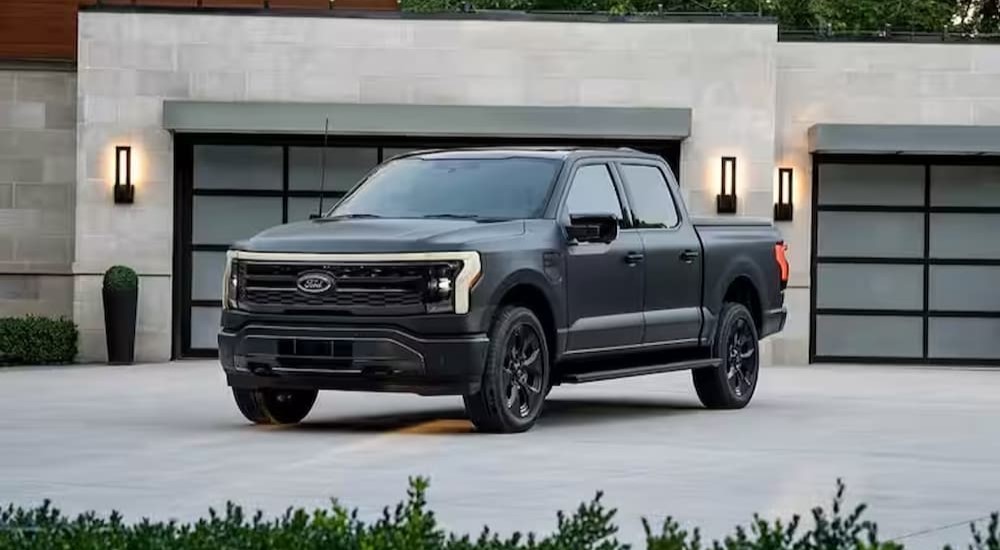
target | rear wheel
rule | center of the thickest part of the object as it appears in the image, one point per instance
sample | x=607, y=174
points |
x=515, y=377
x=268, y=406
x=731, y=385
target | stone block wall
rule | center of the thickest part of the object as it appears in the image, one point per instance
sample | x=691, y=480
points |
x=129, y=63
x=866, y=84
x=37, y=190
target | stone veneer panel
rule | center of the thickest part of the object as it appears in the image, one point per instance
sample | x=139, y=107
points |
x=37, y=188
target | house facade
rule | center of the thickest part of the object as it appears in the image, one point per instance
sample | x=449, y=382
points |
x=885, y=156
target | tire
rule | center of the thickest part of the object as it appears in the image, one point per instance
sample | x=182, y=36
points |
x=274, y=406
x=515, y=377
x=731, y=385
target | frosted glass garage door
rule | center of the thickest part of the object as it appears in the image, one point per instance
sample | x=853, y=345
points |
x=907, y=263
x=238, y=191
x=964, y=282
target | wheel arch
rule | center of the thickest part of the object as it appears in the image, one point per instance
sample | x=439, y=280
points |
x=740, y=286
x=530, y=290
x=741, y=290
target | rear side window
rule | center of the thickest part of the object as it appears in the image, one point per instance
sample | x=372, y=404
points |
x=593, y=192
x=652, y=204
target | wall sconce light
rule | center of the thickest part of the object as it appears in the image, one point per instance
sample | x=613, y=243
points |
x=124, y=191
x=725, y=202
x=783, y=208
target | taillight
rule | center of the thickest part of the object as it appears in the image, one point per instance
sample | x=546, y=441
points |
x=780, y=251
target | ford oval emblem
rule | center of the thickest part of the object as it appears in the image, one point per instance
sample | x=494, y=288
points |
x=315, y=282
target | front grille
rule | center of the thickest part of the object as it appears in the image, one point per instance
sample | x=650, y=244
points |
x=372, y=289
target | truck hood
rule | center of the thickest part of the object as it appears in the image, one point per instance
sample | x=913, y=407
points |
x=379, y=235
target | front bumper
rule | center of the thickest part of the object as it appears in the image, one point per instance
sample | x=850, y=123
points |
x=355, y=358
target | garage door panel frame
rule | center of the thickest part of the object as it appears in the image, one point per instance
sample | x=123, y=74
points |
x=926, y=261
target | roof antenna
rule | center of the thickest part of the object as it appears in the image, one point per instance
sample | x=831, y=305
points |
x=322, y=169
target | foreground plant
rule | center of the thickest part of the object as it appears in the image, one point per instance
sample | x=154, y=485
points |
x=412, y=526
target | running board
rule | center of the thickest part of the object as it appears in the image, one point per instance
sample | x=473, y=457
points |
x=597, y=376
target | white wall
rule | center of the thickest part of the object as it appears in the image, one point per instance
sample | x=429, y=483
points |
x=866, y=84
x=129, y=63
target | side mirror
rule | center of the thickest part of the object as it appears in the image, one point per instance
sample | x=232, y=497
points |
x=593, y=228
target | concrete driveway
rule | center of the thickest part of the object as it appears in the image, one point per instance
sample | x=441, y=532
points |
x=921, y=446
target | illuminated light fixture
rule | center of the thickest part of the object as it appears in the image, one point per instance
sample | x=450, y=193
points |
x=124, y=191
x=725, y=201
x=783, y=208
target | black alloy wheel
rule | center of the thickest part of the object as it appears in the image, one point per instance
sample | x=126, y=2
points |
x=515, y=375
x=270, y=406
x=523, y=376
x=732, y=383
x=742, y=364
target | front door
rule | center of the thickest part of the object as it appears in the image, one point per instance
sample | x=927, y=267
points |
x=672, y=294
x=604, y=280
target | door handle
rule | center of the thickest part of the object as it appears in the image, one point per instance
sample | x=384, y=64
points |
x=633, y=258
x=689, y=256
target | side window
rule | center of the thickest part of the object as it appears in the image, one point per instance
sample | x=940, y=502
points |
x=652, y=204
x=592, y=191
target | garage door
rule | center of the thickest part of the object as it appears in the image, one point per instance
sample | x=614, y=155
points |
x=906, y=261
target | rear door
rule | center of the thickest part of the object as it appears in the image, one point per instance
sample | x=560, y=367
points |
x=673, y=266
x=604, y=280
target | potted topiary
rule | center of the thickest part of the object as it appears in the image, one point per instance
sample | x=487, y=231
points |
x=121, y=295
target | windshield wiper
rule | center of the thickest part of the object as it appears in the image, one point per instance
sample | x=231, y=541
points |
x=351, y=216
x=453, y=216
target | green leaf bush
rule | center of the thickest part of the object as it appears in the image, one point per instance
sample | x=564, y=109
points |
x=35, y=340
x=120, y=278
x=411, y=526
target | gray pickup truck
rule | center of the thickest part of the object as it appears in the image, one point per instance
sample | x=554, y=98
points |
x=495, y=274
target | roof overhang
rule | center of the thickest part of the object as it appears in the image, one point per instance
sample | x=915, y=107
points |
x=891, y=139
x=373, y=119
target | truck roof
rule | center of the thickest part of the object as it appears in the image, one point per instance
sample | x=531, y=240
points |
x=552, y=152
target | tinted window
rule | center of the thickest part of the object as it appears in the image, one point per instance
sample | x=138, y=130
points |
x=508, y=188
x=593, y=192
x=652, y=205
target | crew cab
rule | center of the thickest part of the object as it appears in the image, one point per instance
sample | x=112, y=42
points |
x=495, y=274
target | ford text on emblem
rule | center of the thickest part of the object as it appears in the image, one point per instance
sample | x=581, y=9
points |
x=314, y=282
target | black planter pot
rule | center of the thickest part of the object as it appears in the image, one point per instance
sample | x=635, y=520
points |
x=119, y=324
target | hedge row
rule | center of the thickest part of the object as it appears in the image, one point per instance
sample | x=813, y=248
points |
x=411, y=526
x=37, y=340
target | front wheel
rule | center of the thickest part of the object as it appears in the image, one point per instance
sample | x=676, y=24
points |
x=268, y=406
x=731, y=385
x=515, y=377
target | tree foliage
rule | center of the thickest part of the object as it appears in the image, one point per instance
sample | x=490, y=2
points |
x=970, y=16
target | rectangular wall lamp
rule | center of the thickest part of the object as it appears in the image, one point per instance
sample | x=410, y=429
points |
x=783, y=208
x=725, y=201
x=124, y=191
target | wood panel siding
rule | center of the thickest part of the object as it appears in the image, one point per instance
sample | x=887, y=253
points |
x=46, y=29
x=374, y=5
x=300, y=4
x=257, y=4
x=38, y=29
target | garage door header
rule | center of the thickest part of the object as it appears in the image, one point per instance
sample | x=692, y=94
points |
x=904, y=139
x=427, y=120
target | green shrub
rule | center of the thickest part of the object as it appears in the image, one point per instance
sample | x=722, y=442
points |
x=120, y=277
x=411, y=526
x=37, y=340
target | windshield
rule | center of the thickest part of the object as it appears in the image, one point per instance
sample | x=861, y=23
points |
x=484, y=188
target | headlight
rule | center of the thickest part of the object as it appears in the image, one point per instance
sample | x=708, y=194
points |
x=440, y=291
x=230, y=283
